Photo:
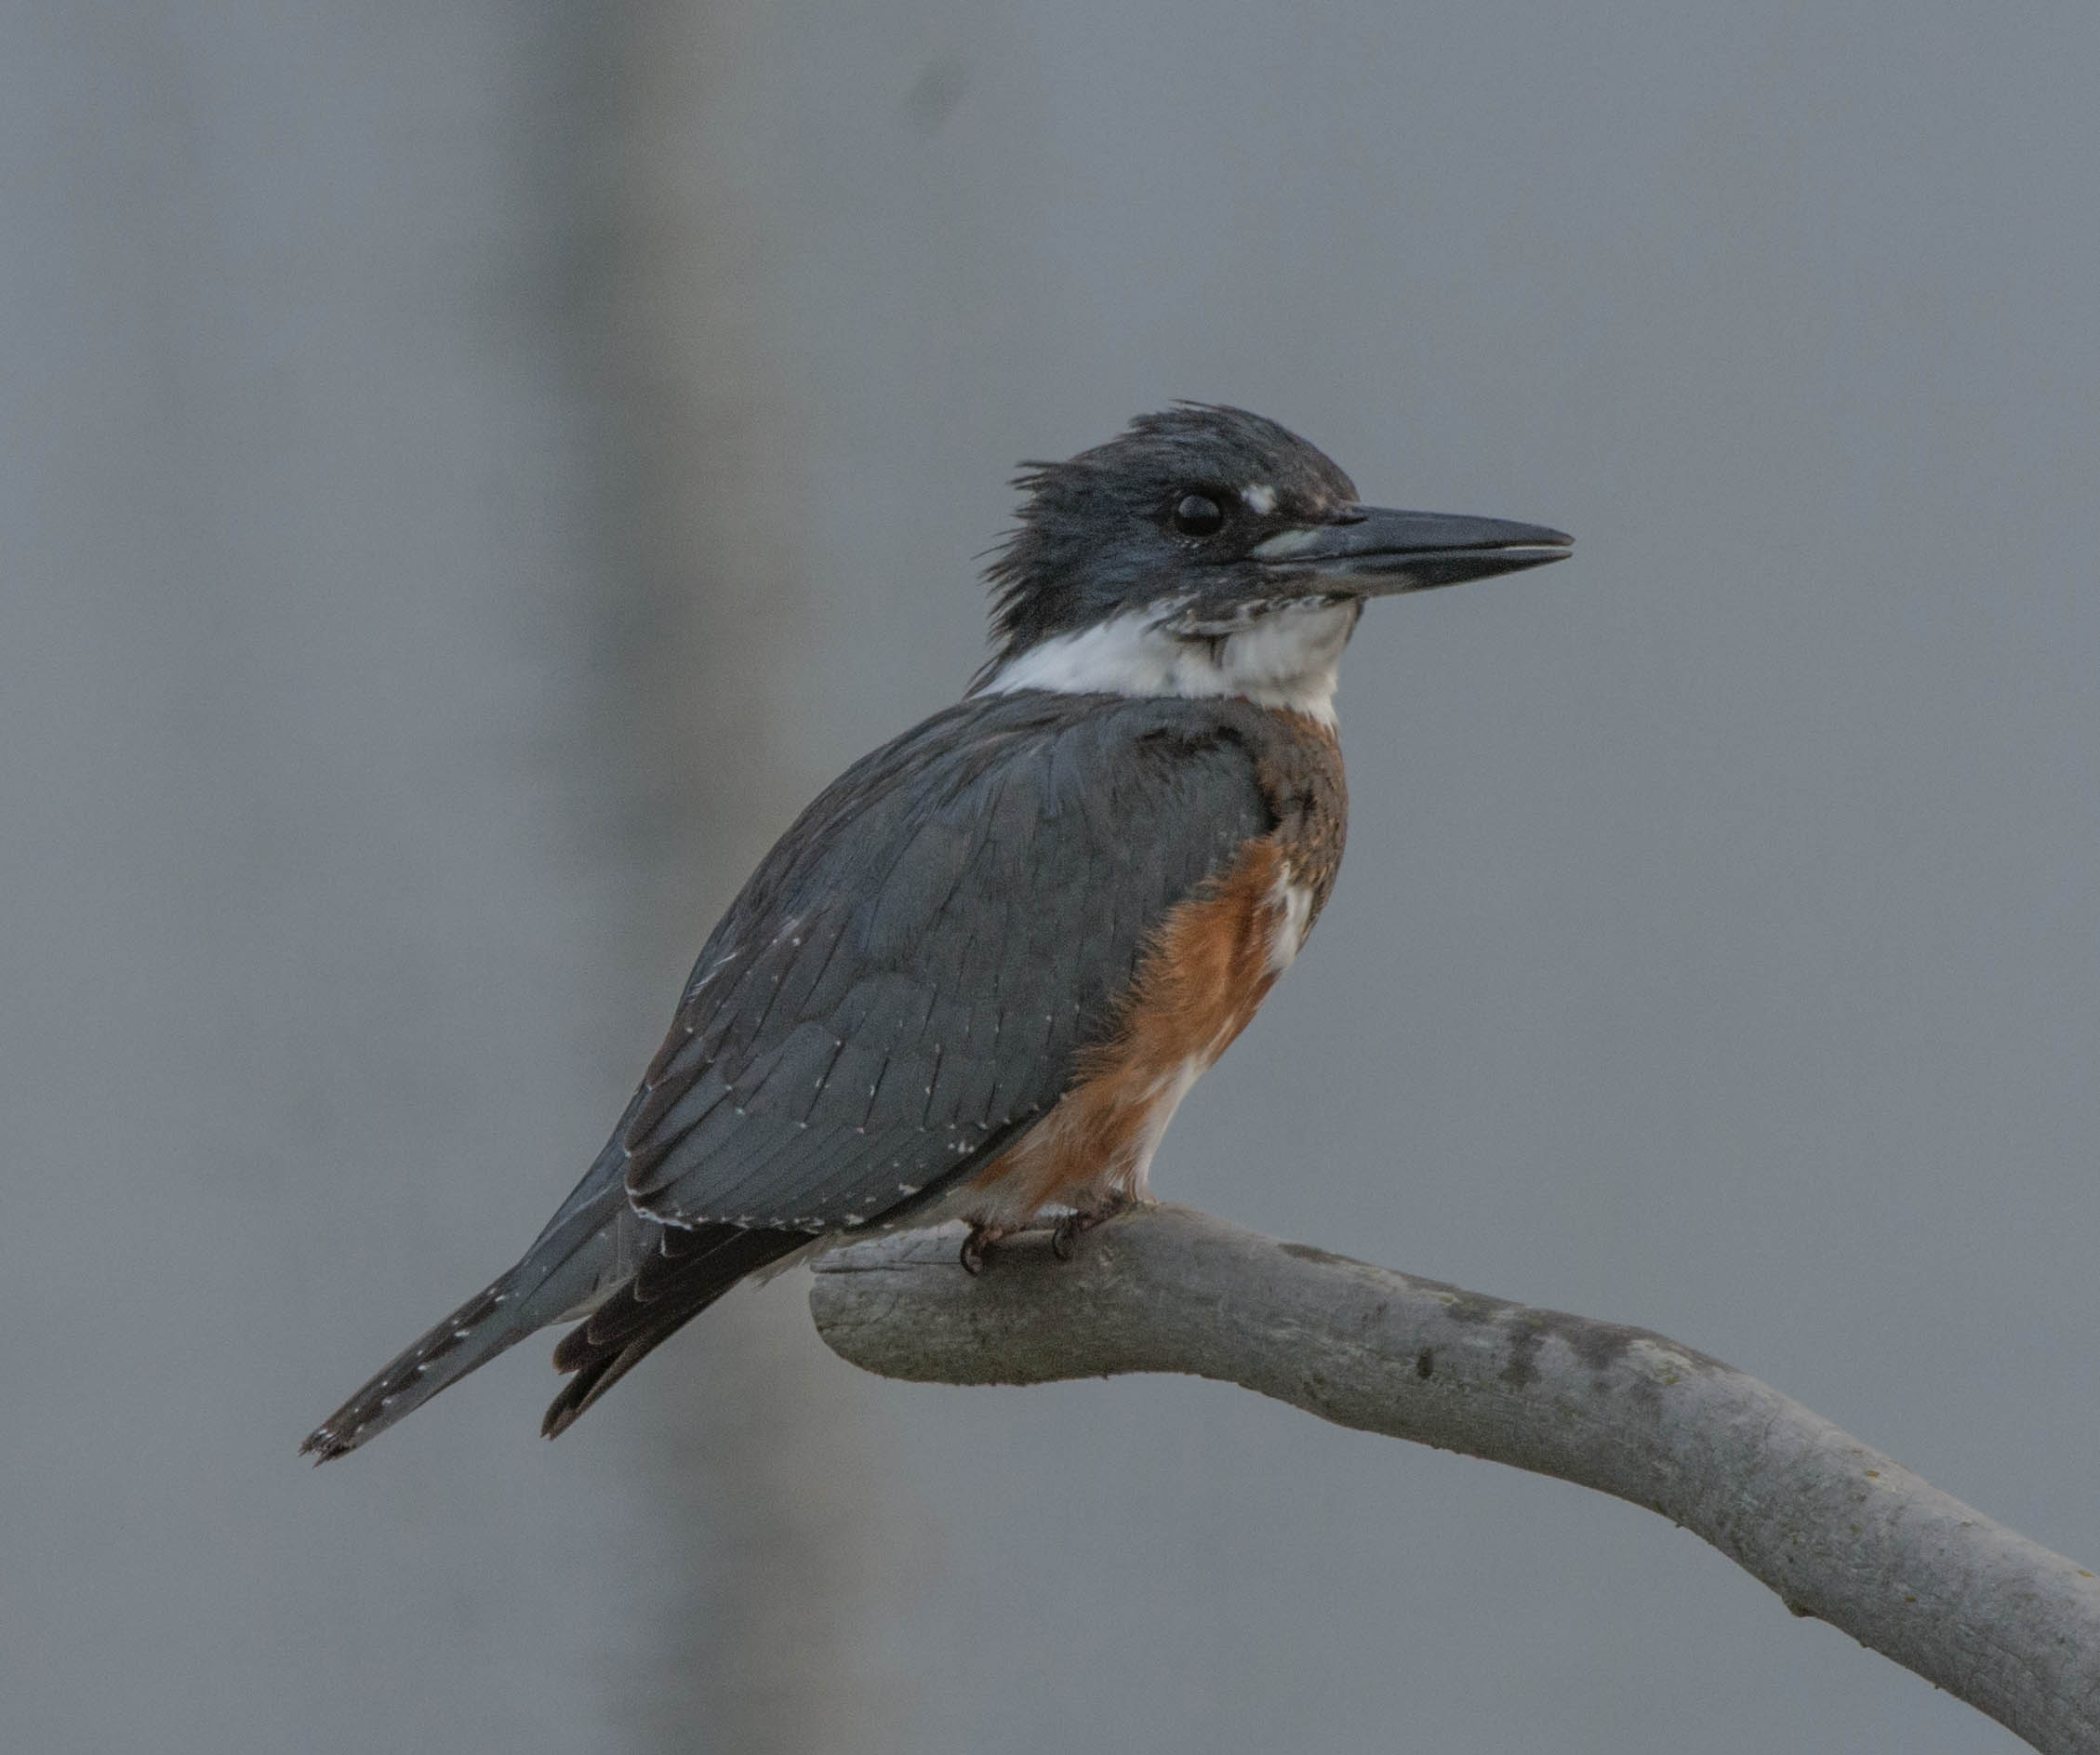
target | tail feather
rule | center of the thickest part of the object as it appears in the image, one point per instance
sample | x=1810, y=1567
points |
x=688, y=1271
x=574, y=1260
x=472, y=1335
x=660, y=1278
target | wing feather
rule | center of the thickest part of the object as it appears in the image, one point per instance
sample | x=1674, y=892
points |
x=906, y=982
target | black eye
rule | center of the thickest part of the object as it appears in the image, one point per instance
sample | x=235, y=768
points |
x=1197, y=516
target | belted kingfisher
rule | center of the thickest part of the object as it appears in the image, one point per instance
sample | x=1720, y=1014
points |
x=978, y=974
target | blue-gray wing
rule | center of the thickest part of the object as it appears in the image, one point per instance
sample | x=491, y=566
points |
x=904, y=984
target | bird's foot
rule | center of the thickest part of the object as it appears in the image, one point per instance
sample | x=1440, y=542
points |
x=978, y=1248
x=1065, y=1234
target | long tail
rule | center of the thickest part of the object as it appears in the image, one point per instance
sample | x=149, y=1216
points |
x=577, y=1255
x=472, y=1335
x=639, y=1281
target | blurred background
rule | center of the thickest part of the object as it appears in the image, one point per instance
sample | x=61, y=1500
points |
x=469, y=473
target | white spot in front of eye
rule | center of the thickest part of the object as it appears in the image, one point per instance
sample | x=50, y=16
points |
x=1260, y=499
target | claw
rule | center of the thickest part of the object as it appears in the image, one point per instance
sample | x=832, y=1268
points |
x=1065, y=1234
x=976, y=1249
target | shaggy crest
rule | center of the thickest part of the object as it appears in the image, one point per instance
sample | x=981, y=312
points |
x=1097, y=530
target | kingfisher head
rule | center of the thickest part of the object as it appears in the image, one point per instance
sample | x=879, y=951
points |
x=1207, y=551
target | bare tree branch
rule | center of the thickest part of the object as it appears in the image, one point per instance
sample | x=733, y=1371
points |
x=1839, y=1531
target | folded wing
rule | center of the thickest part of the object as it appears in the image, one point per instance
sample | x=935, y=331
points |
x=904, y=984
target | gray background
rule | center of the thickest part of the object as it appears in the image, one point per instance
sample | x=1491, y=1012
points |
x=469, y=474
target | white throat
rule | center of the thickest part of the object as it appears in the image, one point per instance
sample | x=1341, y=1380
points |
x=1283, y=658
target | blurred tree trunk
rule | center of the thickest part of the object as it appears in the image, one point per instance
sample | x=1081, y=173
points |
x=752, y=1490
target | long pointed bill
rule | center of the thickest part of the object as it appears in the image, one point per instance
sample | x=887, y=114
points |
x=1370, y=551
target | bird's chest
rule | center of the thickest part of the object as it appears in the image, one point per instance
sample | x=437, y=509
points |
x=1199, y=985
x=1219, y=952
x=1301, y=775
x=1203, y=977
